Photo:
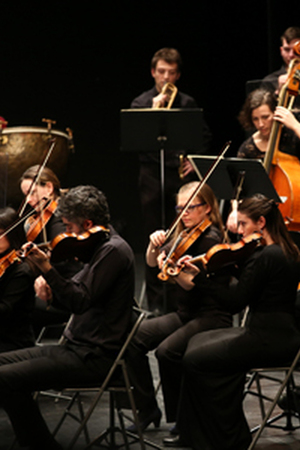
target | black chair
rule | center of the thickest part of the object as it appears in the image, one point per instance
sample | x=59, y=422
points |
x=114, y=386
x=286, y=384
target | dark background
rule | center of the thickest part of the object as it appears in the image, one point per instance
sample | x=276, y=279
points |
x=80, y=63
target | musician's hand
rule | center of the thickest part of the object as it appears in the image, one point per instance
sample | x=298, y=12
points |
x=187, y=167
x=282, y=79
x=36, y=256
x=232, y=219
x=42, y=289
x=158, y=238
x=188, y=266
x=159, y=101
x=287, y=118
x=161, y=259
x=232, y=222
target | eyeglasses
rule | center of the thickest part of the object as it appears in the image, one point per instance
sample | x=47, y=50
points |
x=189, y=209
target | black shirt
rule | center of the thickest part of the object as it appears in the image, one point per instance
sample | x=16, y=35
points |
x=100, y=296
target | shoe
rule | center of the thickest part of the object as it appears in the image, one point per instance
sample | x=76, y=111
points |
x=174, y=430
x=146, y=420
x=174, y=442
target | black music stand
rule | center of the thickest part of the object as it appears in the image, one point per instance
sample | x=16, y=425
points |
x=224, y=178
x=151, y=130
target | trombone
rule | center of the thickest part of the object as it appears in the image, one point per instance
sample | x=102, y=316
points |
x=170, y=90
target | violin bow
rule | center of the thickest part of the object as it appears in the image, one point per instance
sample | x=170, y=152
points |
x=198, y=188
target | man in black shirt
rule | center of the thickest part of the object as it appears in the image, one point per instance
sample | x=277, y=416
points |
x=288, y=39
x=100, y=298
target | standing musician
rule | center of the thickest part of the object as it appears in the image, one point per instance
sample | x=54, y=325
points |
x=195, y=312
x=288, y=39
x=100, y=297
x=16, y=286
x=166, y=67
x=216, y=362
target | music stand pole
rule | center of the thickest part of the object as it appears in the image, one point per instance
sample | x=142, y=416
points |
x=162, y=140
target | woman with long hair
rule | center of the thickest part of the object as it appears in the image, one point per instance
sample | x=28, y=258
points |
x=194, y=311
x=216, y=362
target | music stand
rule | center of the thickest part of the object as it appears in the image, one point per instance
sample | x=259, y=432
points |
x=224, y=179
x=151, y=130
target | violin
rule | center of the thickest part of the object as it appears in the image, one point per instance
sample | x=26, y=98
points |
x=71, y=245
x=7, y=260
x=40, y=220
x=181, y=245
x=222, y=255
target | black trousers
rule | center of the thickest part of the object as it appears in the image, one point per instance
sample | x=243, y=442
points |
x=211, y=415
x=40, y=368
x=169, y=335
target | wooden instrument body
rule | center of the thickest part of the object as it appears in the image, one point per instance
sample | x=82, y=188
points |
x=285, y=176
x=284, y=169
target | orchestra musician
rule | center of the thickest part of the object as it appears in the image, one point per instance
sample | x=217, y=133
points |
x=42, y=191
x=100, y=297
x=16, y=286
x=166, y=67
x=195, y=311
x=216, y=362
x=288, y=39
x=38, y=189
x=259, y=112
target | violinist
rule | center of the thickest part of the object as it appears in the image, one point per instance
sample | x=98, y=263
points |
x=16, y=287
x=100, y=297
x=195, y=311
x=42, y=192
x=216, y=362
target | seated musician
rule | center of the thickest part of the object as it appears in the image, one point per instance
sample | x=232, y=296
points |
x=194, y=312
x=258, y=112
x=16, y=286
x=42, y=192
x=215, y=364
x=100, y=297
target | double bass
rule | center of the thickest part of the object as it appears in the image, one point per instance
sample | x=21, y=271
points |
x=284, y=169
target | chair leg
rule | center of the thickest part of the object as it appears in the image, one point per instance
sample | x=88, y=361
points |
x=275, y=401
x=68, y=412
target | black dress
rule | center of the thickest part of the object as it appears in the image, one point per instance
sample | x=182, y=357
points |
x=16, y=307
x=216, y=362
x=169, y=335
